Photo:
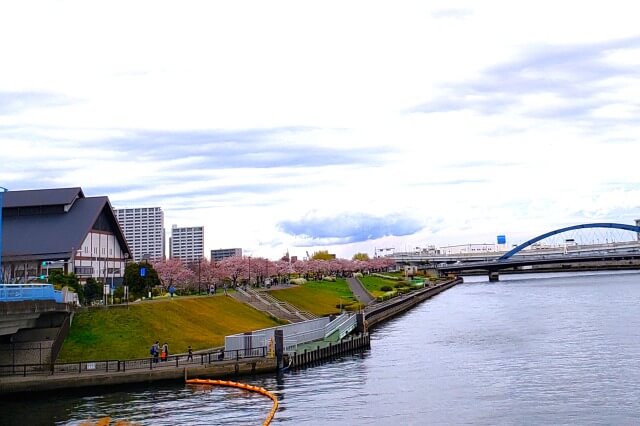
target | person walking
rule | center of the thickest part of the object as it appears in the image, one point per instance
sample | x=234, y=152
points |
x=190, y=354
x=155, y=351
x=165, y=352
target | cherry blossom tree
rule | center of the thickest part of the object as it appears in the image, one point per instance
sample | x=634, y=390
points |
x=234, y=268
x=173, y=272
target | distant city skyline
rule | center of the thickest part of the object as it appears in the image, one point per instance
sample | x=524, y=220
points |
x=347, y=127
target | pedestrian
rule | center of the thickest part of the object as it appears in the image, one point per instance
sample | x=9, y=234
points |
x=155, y=351
x=165, y=352
x=190, y=354
x=225, y=289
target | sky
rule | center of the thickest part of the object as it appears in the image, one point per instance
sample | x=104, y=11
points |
x=347, y=126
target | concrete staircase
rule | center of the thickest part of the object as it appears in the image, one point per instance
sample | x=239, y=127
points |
x=263, y=301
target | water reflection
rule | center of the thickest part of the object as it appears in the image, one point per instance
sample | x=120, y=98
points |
x=528, y=349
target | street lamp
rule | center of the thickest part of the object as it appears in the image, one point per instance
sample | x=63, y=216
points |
x=199, y=260
x=2, y=191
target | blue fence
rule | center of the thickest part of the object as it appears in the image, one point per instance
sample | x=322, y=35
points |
x=21, y=292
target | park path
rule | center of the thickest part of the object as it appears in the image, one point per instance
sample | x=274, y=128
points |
x=359, y=291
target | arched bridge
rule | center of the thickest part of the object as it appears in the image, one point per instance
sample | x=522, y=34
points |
x=532, y=241
x=508, y=261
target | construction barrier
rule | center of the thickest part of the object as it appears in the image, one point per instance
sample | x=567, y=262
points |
x=244, y=386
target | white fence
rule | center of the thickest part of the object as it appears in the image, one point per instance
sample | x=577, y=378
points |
x=294, y=334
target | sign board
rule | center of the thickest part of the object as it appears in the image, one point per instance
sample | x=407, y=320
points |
x=143, y=272
x=502, y=239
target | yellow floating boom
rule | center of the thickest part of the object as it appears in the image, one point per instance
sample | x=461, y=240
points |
x=244, y=386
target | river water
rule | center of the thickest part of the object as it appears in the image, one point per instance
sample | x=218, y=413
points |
x=535, y=349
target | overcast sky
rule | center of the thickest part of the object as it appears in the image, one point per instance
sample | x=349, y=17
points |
x=336, y=125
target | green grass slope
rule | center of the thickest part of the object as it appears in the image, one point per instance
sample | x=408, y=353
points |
x=119, y=333
x=373, y=284
x=319, y=297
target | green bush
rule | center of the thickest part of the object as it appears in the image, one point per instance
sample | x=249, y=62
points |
x=386, y=288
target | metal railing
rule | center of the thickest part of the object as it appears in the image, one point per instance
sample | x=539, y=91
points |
x=22, y=292
x=345, y=324
x=116, y=366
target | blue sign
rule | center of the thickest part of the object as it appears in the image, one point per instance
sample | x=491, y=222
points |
x=502, y=239
x=143, y=272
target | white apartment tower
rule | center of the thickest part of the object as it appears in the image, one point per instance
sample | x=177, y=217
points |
x=143, y=228
x=187, y=244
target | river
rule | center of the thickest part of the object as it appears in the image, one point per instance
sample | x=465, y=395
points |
x=553, y=349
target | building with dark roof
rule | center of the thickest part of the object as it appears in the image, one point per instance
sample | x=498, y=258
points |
x=60, y=228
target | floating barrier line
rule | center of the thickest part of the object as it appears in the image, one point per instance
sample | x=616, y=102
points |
x=244, y=386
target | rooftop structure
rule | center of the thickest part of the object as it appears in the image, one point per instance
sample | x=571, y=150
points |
x=60, y=228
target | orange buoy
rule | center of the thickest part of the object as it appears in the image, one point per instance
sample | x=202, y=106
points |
x=257, y=389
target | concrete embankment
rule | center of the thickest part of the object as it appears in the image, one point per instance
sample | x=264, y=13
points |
x=39, y=383
x=327, y=351
x=380, y=312
x=316, y=352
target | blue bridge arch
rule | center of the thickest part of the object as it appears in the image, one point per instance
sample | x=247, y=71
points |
x=526, y=244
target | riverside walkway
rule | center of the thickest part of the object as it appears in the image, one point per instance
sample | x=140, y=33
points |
x=43, y=377
x=213, y=364
x=359, y=291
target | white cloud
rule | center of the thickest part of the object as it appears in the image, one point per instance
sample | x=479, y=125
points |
x=475, y=118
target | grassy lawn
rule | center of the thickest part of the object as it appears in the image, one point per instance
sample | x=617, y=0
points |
x=119, y=333
x=319, y=297
x=374, y=284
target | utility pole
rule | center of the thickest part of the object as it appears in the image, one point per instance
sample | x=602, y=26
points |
x=199, y=260
x=2, y=191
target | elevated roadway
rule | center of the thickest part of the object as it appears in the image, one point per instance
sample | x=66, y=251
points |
x=33, y=323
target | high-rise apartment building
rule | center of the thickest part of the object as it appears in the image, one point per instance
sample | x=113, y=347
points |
x=144, y=230
x=219, y=254
x=187, y=244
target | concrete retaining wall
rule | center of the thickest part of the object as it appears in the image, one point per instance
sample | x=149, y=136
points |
x=17, y=384
x=307, y=357
x=378, y=313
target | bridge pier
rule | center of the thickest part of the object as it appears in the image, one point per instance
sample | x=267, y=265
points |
x=494, y=276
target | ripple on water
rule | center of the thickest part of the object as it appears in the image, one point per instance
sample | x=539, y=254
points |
x=558, y=350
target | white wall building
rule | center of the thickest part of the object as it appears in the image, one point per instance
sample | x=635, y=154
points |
x=49, y=229
x=468, y=249
x=219, y=254
x=187, y=244
x=144, y=230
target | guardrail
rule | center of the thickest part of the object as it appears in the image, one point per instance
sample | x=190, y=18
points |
x=345, y=324
x=26, y=292
x=114, y=366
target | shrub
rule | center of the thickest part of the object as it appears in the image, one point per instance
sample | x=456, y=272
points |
x=329, y=278
x=386, y=288
x=298, y=281
x=399, y=285
x=387, y=277
x=357, y=275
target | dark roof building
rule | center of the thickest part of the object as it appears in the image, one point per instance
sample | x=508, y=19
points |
x=64, y=229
